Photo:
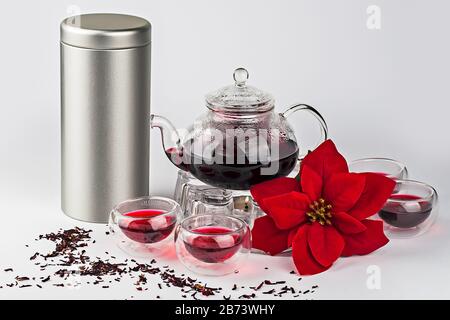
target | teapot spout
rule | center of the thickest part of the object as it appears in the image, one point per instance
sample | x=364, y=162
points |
x=170, y=139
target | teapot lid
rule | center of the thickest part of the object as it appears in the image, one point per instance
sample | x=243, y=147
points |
x=239, y=97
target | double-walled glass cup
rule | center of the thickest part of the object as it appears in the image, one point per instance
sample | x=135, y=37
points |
x=208, y=200
x=144, y=226
x=212, y=244
x=185, y=182
x=384, y=166
x=411, y=210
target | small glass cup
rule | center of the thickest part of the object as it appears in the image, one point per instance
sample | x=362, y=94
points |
x=185, y=182
x=208, y=200
x=197, y=198
x=384, y=166
x=212, y=244
x=144, y=226
x=410, y=210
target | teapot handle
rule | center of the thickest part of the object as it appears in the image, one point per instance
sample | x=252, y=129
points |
x=314, y=112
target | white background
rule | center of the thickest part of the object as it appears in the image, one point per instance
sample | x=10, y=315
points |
x=383, y=93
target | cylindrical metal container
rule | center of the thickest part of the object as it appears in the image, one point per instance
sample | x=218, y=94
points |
x=105, y=112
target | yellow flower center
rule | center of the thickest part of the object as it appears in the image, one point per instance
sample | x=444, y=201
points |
x=320, y=212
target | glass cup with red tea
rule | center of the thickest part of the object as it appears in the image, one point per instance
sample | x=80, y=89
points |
x=212, y=244
x=144, y=226
x=410, y=210
x=384, y=166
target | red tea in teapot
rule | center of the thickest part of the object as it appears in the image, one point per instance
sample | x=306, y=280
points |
x=230, y=173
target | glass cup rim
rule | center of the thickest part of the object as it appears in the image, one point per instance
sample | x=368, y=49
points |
x=173, y=209
x=381, y=159
x=431, y=190
x=242, y=226
x=399, y=164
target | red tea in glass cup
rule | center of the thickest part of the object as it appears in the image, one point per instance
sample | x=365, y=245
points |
x=143, y=226
x=411, y=210
x=147, y=226
x=212, y=244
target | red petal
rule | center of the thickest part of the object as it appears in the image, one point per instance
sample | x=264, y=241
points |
x=375, y=194
x=268, y=238
x=311, y=183
x=273, y=188
x=343, y=190
x=291, y=236
x=365, y=242
x=287, y=210
x=345, y=223
x=326, y=244
x=325, y=160
x=301, y=254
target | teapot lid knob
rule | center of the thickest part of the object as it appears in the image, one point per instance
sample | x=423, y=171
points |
x=240, y=76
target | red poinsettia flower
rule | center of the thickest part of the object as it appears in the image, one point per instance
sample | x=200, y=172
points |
x=323, y=215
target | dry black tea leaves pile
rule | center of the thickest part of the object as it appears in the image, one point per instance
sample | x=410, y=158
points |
x=66, y=241
x=69, y=261
x=277, y=289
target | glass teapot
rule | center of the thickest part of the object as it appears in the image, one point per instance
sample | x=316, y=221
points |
x=240, y=141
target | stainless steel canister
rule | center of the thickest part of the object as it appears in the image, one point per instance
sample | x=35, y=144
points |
x=105, y=112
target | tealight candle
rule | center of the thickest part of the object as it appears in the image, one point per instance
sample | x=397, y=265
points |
x=243, y=208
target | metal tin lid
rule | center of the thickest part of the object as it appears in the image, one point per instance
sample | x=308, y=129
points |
x=240, y=98
x=105, y=31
